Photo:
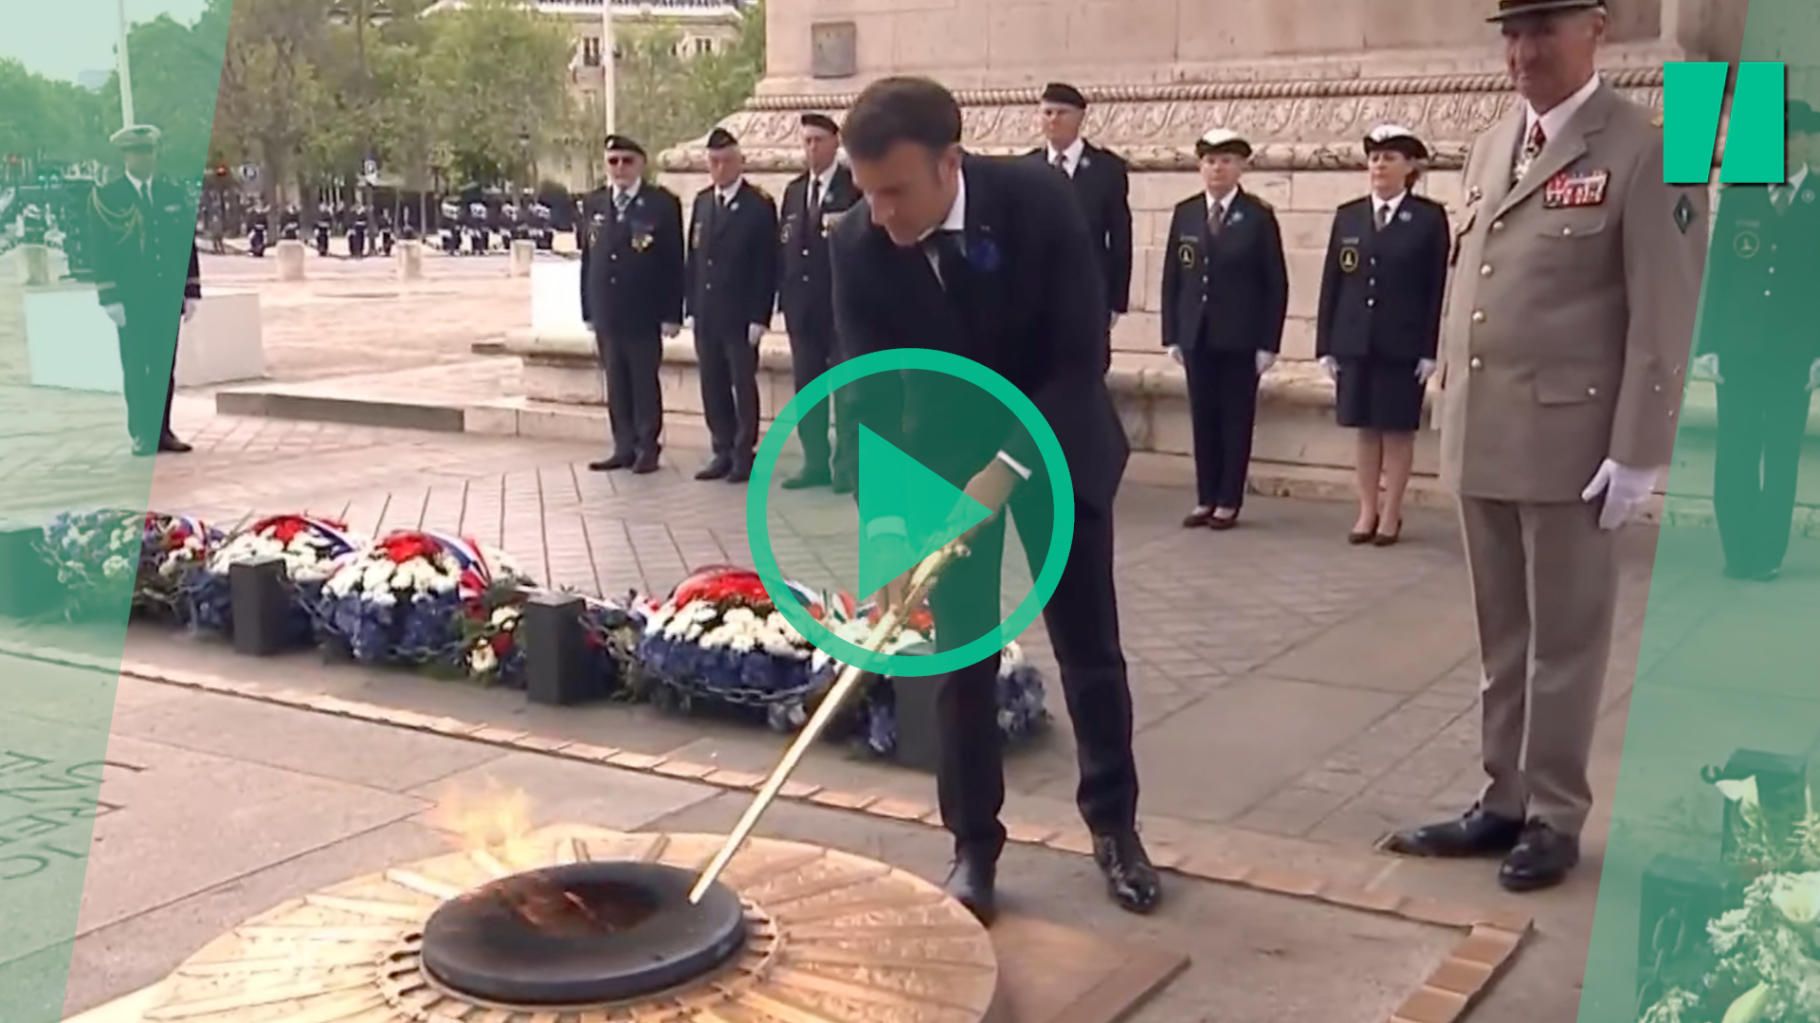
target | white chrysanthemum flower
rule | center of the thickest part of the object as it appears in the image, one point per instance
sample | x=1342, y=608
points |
x=384, y=598
x=115, y=565
x=1797, y=898
x=504, y=617
x=376, y=576
x=1743, y=791
x=483, y=660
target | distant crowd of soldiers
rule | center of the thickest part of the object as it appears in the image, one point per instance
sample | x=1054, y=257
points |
x=465, y=228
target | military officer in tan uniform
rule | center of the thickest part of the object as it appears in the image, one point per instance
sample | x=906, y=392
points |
x=1570, y=315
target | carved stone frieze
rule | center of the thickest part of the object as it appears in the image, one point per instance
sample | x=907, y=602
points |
x=1296, y=125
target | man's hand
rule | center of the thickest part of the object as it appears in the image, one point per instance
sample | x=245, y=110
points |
x=1331, y=366
x=992, y=487
x=116, y=312
x=1175, y=352
x=1626, y=489
x=754, y=332
x=1425, y=368
x=1706, y=367
x=671, y=329
x=1265, y=361
x=189, y=308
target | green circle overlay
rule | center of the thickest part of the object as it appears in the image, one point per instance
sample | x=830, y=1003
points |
x=758, y=501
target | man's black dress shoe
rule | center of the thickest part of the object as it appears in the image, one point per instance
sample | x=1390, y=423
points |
x=169, y=442
x=742, y=471
x=1542, y=859
x=646, y=463
x=842, y=485
x=1130, y=879
x=714, y=470
x=807, y=481
x=1476, y=833
x=618, y=461
x=971, y=883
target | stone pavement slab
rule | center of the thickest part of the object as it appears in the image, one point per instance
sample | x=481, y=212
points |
x=1255, y=956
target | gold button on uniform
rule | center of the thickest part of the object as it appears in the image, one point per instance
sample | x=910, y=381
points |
x=1485, y=271
x=1478, y=316
x=1476, y=362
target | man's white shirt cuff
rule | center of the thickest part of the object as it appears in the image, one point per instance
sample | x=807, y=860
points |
x=1018, y=467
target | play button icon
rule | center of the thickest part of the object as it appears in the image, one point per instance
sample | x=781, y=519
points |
x=906, y=512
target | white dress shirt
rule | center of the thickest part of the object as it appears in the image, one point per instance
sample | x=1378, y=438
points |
x=1219, y=206
x=1378, y=203
x=1556, y=119
x=1071, y=157
x=726, y=194
x=139, y=186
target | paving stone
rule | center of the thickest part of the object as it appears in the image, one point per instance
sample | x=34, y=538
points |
x=559, y=790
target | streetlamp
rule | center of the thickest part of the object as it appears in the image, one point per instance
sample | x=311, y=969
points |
x=361, y=14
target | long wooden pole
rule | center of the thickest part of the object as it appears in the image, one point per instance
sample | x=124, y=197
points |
x=889, y=624
x=125, y=68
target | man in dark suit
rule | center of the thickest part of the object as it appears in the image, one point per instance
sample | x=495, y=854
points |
x=632, y=297
x=1101, y=182
x=1760, y=344
x=1225, y=296
x=813, y=202
x=142, y=230
x=990, y=259
x=732, y=290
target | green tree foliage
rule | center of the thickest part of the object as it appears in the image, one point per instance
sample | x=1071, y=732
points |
x=665, y=98
x=175, y=71
x=498, y=80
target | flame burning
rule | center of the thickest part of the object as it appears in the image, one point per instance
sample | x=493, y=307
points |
x=496, y=820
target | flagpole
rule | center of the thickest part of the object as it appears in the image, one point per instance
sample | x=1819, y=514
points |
x=607, y=70
x=126, y=72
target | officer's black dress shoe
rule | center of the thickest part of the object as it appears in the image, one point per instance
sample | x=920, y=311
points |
x=742, y=471
x=971, y=882
x=1542, y=859
x=842, y=485
x=807, y=481
x=715, y=470
x=646, y=463
x=169, y=442
x=619, y=460
x=1130, y=879
x=1476, y=833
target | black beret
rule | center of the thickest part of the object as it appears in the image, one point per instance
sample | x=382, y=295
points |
x=1517, y=8
x=1062, y=92
x=822, y=121
x=721, y=138
x=624, y=144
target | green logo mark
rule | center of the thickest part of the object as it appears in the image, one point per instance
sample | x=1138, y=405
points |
x=1693, y=99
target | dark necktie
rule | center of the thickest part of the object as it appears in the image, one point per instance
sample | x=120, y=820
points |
x=1383, y=217
x=1061, y=163
x=1532, y=148
x=1780, y=197
x=950, y=262
x=621, y=200
x=815, y=197
x=1216, y=219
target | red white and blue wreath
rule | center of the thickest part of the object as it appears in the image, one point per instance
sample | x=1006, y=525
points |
x=311, y=547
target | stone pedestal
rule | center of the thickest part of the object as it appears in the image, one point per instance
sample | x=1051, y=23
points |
x=69, y=340
x=290, y=259
x=223, y=342
x=410, y=261
x=524, y=252
x=37, y=265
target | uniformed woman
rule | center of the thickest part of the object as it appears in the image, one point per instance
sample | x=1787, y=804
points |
x=1380, y=320
x=1225, y=295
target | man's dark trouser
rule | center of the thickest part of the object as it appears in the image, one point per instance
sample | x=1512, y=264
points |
x=629, y=361
x=148, y=355
x=1223, y=405
x=1763, y=407
x=812, y=353
x=1082, y=619
x=728, y=364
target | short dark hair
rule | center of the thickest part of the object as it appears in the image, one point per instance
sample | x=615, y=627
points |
x=902, y=109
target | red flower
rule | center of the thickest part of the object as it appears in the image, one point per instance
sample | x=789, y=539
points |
x=502, y=643
x=403, y=546
x=722, y=584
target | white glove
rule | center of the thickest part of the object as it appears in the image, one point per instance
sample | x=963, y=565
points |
x=189, y=308
x=1813, y=376
x=1331, y=365
x=754, y=332
x=117, y=313
x=1175, y=352
x=1265, y=361
x=1112, y=321
x=1625, y=489
x=671, y=329
x=1425, y=368
x=1706, y=367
